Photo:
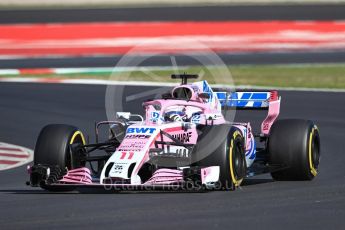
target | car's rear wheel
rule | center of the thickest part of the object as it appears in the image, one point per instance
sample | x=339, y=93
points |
x=229, y=155
x=295, y=146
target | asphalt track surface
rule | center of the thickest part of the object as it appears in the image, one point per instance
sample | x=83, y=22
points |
x=260, y=204
x=256, y=58
x=201, y=13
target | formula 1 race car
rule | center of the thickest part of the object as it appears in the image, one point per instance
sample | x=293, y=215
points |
x=182, y=141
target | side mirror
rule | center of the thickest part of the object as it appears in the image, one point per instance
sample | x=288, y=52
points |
x=124, y=115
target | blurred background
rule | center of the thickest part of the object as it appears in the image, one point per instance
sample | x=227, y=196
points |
x=260, y=41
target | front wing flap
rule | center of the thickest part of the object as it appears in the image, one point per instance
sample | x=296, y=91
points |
x=188, y=179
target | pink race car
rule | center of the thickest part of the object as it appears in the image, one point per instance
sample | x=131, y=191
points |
x=183, y=141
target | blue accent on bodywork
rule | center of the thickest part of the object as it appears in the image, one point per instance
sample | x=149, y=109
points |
x=246, y=96
x=221, y=95
x=244, y=100
x=207, y=89
x=252, y=150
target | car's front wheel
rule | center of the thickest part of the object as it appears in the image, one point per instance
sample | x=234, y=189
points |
x=229, y=155
x=53, y=147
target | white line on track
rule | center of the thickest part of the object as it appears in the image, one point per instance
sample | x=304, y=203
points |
x=147, y=83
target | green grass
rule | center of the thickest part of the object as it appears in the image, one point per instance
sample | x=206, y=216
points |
x=304, y=76
x=311, y=76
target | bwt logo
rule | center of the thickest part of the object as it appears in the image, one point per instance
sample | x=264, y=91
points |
x=141, y=130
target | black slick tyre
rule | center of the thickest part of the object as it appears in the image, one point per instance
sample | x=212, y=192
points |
x=53, y=146
x=294, y=145
x=230, y=157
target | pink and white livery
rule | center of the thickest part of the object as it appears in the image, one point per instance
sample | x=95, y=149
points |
x=182, y=140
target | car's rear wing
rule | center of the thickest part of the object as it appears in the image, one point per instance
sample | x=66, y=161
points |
x=246, y=100
x=253, y=100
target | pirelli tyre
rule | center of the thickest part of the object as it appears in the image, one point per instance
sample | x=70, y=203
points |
x=53, y=146
x=230, y=157
x=294, y=145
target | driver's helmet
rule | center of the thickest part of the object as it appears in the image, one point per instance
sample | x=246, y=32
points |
x=175, y=113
